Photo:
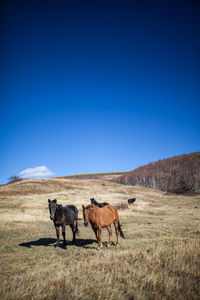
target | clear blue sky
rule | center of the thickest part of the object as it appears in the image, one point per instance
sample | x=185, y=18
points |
x=97, y=86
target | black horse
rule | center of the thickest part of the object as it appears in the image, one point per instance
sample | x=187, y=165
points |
x=62, y=216
x=94, y=202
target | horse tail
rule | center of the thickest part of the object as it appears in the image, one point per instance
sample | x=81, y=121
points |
x=120, y=231
x=76, y=229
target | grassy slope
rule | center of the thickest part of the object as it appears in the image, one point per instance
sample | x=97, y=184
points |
x=159, y=259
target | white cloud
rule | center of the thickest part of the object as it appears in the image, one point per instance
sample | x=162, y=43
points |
x=41, y=171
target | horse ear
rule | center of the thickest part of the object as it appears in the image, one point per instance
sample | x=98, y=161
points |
x=55, y=201
x=49, y=200
x=83, y=207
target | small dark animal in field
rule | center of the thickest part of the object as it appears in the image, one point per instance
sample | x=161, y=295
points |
x=102, y=217
x=132, y=200
x=94, y=202
x=62, y=216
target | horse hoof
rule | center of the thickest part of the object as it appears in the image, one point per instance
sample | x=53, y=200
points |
x=98, y=248
x=108, y=246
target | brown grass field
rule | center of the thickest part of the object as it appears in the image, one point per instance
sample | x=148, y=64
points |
x=158, y=259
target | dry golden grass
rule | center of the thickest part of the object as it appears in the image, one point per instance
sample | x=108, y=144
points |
x=159, y=259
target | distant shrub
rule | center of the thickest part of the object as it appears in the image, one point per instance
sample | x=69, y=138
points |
x=14, y=179
x=122, y=205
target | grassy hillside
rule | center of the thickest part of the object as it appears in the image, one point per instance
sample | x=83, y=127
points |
x=180, y=174
x=159, y=259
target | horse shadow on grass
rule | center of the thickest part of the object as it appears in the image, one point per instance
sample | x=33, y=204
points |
x=49, y=242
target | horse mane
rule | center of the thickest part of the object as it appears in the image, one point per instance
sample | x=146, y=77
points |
x=59, y=206
x=89, y=206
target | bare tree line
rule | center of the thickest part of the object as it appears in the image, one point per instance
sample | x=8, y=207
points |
x=180, y=174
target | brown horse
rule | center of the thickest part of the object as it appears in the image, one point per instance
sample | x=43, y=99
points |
x=102, y=217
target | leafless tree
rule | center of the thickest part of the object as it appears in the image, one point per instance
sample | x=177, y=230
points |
x=14, y=178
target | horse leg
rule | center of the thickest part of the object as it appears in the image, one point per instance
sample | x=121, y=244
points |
x=95, y=231
x=58, y=236
x=73, y=228
x=99, y=238
x=76, y=226
x=63, y=233
x=116, y=231
x=110, y=236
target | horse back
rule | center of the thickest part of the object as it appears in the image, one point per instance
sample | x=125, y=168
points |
x=73, y=208
x=104, y=216
x=70, y=214
x=113, y=210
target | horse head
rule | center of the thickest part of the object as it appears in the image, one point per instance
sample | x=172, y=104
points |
x=86, y=214
x=92, y=200
x=52, y=208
